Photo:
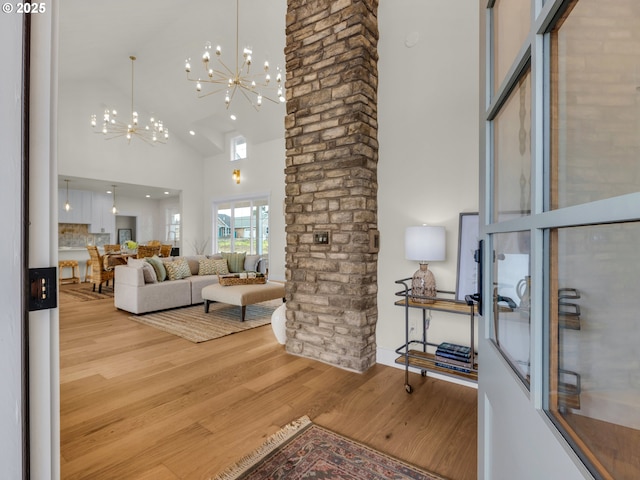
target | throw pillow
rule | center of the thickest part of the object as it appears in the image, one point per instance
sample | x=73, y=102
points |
x=222, y=267
x=148, y=272
x=251, y=263
x=177, y=269
x=211, y=266
x=158, y=266
x=235, y=261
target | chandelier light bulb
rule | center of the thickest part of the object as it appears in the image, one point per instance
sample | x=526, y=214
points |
x=210, y=73
x=266, y=65
x=259, y=100
x=114, y=113
x=93, y=120
x=218, y=50
x=67, y=207
x=187, y=65
x=198, y=86
x=227, y=100
x=267, y=78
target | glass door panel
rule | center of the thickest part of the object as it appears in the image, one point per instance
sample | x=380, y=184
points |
x=594, y=379
x=595, y=73
x=512, y=299
x=511, y=19
x=512, y=154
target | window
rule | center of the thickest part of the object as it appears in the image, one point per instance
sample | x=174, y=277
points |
x=238, y=148
x=173, y=225
x=242, y=226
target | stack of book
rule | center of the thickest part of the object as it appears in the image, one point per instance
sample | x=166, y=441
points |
x=454, y=357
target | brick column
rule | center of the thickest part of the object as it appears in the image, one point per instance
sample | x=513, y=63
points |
x=331, y=183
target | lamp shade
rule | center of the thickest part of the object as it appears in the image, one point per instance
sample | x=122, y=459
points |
x=424, y=243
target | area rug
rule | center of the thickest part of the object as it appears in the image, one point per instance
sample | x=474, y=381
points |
x=191, y=323
x=304, y=450
x=83, y=292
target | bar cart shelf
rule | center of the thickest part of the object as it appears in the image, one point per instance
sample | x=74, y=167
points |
x=415, y=353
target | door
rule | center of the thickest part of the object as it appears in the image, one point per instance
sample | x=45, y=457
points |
x=560, y=130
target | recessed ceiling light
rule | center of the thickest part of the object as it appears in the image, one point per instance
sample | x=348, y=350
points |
x=166, y=193
x=109, y=191
x=191, y=132
x=232, y=117
x=148, y=196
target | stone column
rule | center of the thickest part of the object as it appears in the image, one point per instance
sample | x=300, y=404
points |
x=331, y=183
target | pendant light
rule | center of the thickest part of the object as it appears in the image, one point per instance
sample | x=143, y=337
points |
x=67, y=205
x=114, y=210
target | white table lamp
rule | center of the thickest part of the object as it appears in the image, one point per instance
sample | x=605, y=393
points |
x=424, y=244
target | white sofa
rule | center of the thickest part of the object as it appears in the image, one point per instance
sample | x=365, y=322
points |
x=134, y=295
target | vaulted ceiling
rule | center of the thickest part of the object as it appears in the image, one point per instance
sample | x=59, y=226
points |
x=96, y=38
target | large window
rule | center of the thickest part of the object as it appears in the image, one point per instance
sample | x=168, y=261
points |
x=242, y=226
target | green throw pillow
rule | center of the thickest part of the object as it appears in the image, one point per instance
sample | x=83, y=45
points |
x=158, y=266
x=213, y=266
x=235, y=261
x=178, y=269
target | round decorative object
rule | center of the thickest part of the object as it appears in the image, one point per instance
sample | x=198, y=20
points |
x=279, y=323
x=423, y=284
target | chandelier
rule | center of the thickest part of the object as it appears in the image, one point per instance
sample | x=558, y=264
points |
x=255, y=87
x=113, y=127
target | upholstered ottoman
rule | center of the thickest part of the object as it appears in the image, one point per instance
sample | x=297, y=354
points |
x=241, y=295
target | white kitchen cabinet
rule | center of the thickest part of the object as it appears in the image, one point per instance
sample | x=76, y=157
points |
x=102, y=219
x=80, y=202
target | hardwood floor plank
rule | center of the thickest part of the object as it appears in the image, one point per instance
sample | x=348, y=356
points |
x=140, y=403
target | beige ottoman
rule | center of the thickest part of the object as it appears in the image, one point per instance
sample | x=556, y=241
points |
x=242, y=295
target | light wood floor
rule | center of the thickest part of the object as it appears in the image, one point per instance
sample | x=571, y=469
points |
x=137, y=403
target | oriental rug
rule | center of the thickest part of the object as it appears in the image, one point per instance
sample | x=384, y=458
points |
x=191, y=323
x=304, y=450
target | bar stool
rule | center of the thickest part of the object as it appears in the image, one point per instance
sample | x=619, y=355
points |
x=88, y=272
x=75, y=271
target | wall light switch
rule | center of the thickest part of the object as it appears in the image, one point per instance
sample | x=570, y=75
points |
x=321, y=238
x=43, y=291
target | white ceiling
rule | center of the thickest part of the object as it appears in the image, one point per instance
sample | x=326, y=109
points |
x=96, y=38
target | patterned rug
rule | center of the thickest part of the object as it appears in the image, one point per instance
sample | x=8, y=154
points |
x=191, y=323
x=304, y=450
x=83, y=292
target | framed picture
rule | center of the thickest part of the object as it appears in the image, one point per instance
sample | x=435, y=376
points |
x=124, y=235
x=468, y=237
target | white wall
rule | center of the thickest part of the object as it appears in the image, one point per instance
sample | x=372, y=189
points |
x=261, y=173
x=11, y=416
x=428, y=131
x=82, y=154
